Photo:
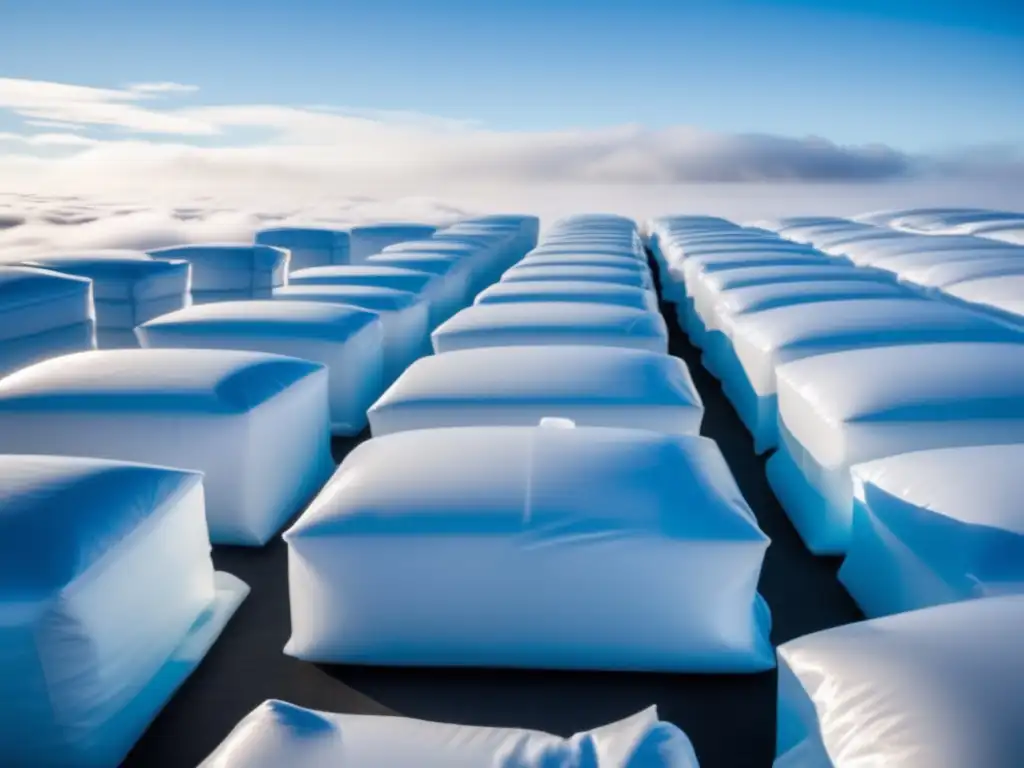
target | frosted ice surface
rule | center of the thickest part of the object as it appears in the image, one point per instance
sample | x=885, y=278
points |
x=308, y=246
x=129, y=288
x=550, y=322
x=762, y=341
x=1003, y=295
x=43, y=314
x=935, y=688
x=347, y=340
x=105, y=580
x=836, y=411
x=589, y=273
x=404, y=317
x=456, y=291
x=933, y=527
x=593, y=386
x=277, y=734
x=373, y=238
x=257, y=425
x=225, y=272
x=628, y=262
x=470, y=554
x=571, y=291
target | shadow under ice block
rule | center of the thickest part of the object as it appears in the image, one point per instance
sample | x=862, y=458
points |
x=308, y=246
x=404, y=318
x=231, y=272
x=549, y=547
x=550, y=322
x=256, y=425
x=109, y=602
x=845, y=408
x=935, y=688
x=279, y=734
x=933, y=527
x=517, y=386
x=129, y=288
x=570, y=291
x=43, y=314
x=348, y=340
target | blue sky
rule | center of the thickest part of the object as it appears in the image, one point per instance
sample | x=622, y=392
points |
x=913, y=74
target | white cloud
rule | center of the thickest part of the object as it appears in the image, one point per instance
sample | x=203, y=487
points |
x=41, y=100
x=273, y=155
x=152, y=88
x=63, y=126
x=50, y=139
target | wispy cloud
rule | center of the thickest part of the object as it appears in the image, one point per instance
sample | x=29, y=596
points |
x=42, y=100
x=318, y=150
x=158, y=88
x=49, y=139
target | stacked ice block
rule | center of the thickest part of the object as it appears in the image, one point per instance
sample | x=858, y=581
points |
x=43, y=314
x=129, y=288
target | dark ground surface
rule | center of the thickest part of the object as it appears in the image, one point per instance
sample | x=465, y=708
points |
x=729, y=718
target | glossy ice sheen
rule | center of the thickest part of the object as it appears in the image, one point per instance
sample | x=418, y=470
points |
x=257, y=425
x=932, y=527
x=108, y=598
x=935, y=688
x=593, y=386
x=644, y=535
x=277, y=734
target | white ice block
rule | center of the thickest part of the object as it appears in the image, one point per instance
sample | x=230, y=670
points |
x=257, y=425
x=570, y=291
x=346, y=339
x=696, y=271
x=516, y=386
x=544, y=259
x=762, y=341
x=374, y=238
x=537, y=547
x=129, y=288
x=551, y=322
x=479, y=257
x=426, y=284
x=927, y=257
x=43, y=314
x=34, y=301
x=597, y=274
x=734, y=304
x=455, y=288
x=108, y=601
x=757, y=298
x=279, y=734
x=936, y=688
x=933, y=527
x=846, y=408
x=404, y=317
x=308, y=246
x=585, y=252
x=1002, y=295
x=231, y=272
x=945, y=274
